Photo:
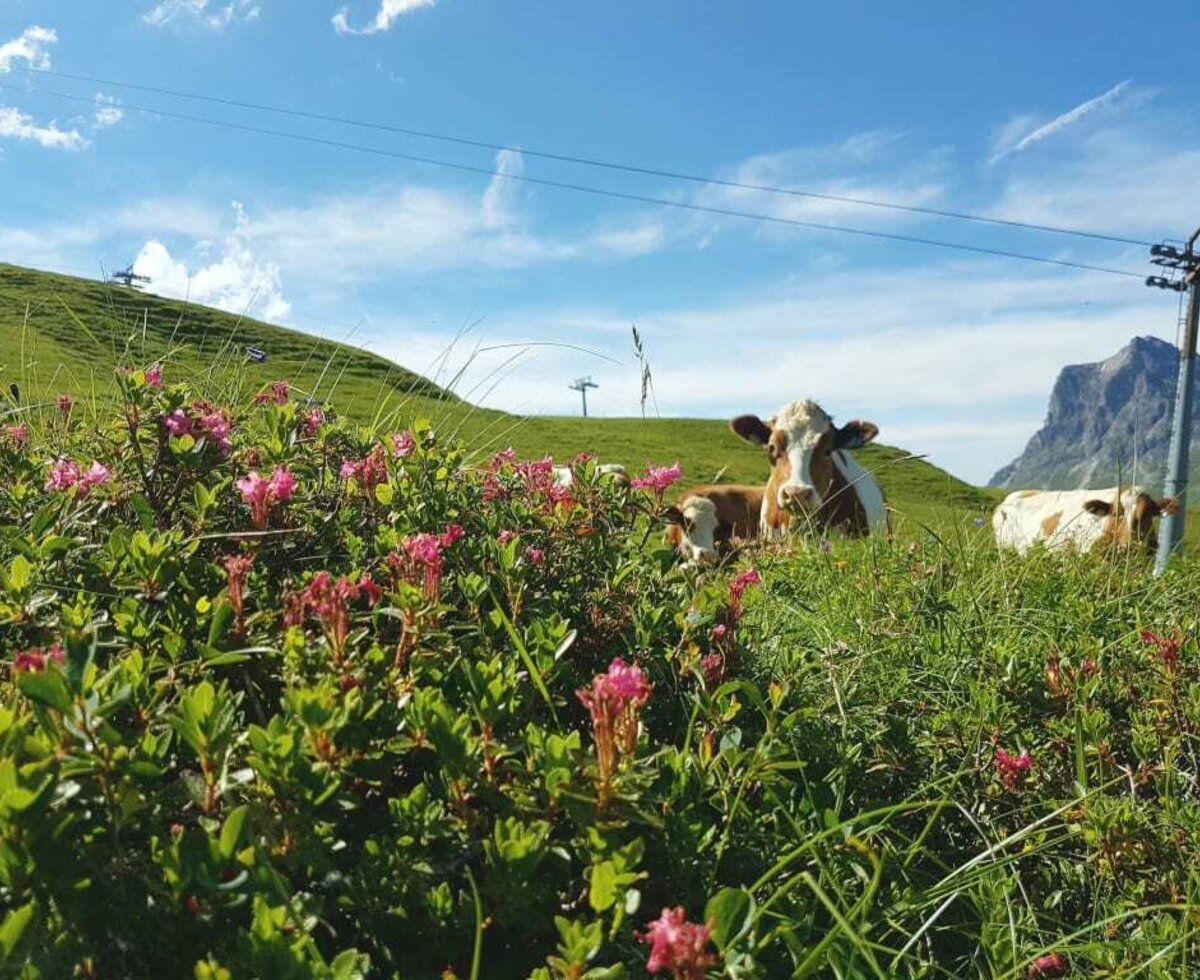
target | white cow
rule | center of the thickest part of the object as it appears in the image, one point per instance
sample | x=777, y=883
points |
x=1079, y=520
x=564, y=476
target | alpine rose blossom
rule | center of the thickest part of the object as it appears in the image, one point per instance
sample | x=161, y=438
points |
x=64, y=474
x=262, y=494
x=17, y=434
x=36, y=660
x=403, y=443
x=178, y=423
x=154, y=376
x=535, y=556
x=1168, y=648
x=740, y=583
x=1050, y=965
x=614, y=699
x=679, y=946
x=658, y=480
x=1011, y=768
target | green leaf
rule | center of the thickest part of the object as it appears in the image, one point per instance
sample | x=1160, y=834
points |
x=222, y=620
x=144, y=511
x=14, y=927
x=729, y=911
x=384, y=493
x=46, y=687
x=231, y=831
x=20, y=574
x=602, y=894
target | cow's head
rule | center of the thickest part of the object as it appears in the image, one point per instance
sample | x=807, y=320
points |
x=692, y=529
x=800, y=443
x=1129, y=519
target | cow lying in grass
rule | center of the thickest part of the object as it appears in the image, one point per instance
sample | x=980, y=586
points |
x=708, y=521
x=1079, y=520
x=815, y=482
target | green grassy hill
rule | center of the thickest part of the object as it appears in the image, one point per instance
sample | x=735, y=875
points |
x=64, y=334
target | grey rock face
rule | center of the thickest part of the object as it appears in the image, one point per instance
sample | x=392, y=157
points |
x=1105, y=420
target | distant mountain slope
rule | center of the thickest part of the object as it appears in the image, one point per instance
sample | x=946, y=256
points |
x=1104, y=418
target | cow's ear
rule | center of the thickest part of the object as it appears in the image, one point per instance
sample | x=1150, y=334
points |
x=673, y=515
x=1168, y=505
x=1098, y=508
x=752, y=429
x=855, y=434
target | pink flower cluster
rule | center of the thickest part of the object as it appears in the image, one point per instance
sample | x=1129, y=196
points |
x=64, y=403
x=368, y=472
x=1168, y=648
x=236, y=567
x=204, y=420
x=614, y=699
x=1049, y=965
x=311, y=422
x=535, y=556
x=262, y=494
x=17, y=434
x=1012, y=768
x=738, y=586
x=658, y=479
x=422, y=561
x=679, y=946
x=539, y=485
x=154, y=376
x=328, y=601
x=36, y=660
x=277, y=394
x=403, y=443
x=66, y=474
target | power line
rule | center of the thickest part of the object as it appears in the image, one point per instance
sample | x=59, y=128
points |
x=604, y=192
x=592, y=162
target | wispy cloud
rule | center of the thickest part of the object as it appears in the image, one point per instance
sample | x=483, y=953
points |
x=1016, y=140
x=389, y=12
x=16, y=125
x=31, y=47
x=202, y=13
x=496, y=207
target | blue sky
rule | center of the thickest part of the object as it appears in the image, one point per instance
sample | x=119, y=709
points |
x=1067, y=116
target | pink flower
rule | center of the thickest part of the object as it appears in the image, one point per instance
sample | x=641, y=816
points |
x=328, y=600
x=178, y=423
x=36, y=660
x=679, y=946
x=740, y=583
x=349, y=469
x=154, y=377
x=97, y=475
x=311, y=422
x=261, y=494
x=712, y=666
x=370, y=589
x=236, y=567
x=504, y=537
x=505, y=457
x=64, y=474
x=17, y=434
x=658, y=479
x=422, y=562
x=277, y=393
x=719, y=632
x=282, y=484
x=368, y=472
x=218, y=427
x=614, y=699
x=403, y=443
x=1049, y=965
x=1168, y=648
x=1011, y=768
x=535, y=556
x=452, y=534
x=64, y=403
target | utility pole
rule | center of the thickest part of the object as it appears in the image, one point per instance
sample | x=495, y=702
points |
x=582, y=385
x=1188, y=263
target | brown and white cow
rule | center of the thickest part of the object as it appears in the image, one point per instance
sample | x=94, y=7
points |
x=707, y=521
x=814, y=481
x=1079, y=520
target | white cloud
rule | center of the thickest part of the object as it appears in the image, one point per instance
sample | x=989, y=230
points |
x=1010, y=143
x=107, y=113
x=14, y=124
x=237, y=281
x=215, y=16
x=498, y=199
x=389, y=12
x=30, y=46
